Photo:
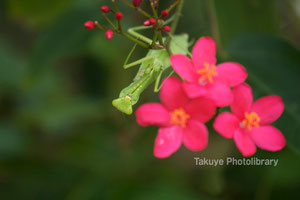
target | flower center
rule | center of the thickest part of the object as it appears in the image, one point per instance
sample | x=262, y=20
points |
x=179, y=117
x=251, y=119
x=207, y=73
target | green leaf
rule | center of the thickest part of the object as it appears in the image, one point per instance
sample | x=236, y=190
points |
x=274, y=68
x=180, y=44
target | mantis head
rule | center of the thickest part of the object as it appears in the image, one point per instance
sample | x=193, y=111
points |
x=123, y=104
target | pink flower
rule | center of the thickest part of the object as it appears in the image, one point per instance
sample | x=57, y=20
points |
x=249, y=125
x=179, y=118
x=203, y=77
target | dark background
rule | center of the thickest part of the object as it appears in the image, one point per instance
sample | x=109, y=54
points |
x=60, y=138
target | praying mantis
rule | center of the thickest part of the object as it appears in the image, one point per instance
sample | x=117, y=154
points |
x=152, y=66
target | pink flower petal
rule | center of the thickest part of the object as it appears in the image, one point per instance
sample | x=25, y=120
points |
x=221, y=94
x=244, y=143
x=204, y=51
x=226, y=124
x=268, y=138
x=172, y=95
x=194, y=90
x=152, y=114
x=268, y=108
x=201, y=109
x=183, y=66
x=231, y=73
x=167, y=141
x=242, y=100
x=195, y=135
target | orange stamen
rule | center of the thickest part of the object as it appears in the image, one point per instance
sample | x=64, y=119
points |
x=251, y=120
x=207, y=73
x=179, y=117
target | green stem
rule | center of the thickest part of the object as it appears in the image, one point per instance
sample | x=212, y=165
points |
x=115, y=5
x=100, y=26
x=160, y=38
x=154, y=38
x=214, y=26
x=138, y=9
x=173, y=5
x=110, y=22
x=154, y=10
x=120, y=26
x=176, y=18
x=175, y=21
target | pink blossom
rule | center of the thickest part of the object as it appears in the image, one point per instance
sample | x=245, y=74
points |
x=180, y=119
x=249, y=123
x=203, y=77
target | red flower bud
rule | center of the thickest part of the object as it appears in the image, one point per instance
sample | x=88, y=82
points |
x=119, y=15
x=167, y=28
x=136, y=3
x=105, y=9
x=152, y=21
x=89, y=25
x=109, y=34
x=164, y=13
x=147, y=23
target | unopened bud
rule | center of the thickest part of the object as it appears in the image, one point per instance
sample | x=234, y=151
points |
x=167, y=28
x=164, y=13
x=109, y=34
x=89, y=25
x=136, y=3
x=119, y=15
x=152, y=21
x=105, y=9
x=147, y=23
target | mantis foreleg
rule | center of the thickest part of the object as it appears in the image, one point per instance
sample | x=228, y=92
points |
x=129, y=55
x=133, y=32
x=140, y=61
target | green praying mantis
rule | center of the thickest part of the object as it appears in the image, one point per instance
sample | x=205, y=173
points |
x=152, y=66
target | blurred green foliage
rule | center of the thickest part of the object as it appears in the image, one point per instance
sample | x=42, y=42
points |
x=60, y=138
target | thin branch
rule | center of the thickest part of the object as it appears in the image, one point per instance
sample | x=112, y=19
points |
x=138, y=9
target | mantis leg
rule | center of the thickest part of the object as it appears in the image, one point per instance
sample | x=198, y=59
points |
x=133, y=32
x=157, y=81
x=129, y=55
x=157, y=87
x=140, y=61
x=126, y=66
x=170, y=19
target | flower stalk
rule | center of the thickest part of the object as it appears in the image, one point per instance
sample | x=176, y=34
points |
x=153, y=21
x=137, y=8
